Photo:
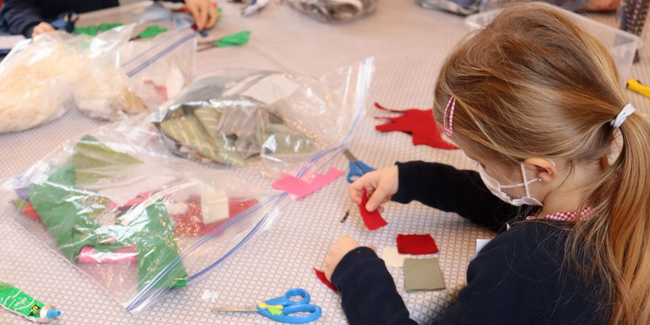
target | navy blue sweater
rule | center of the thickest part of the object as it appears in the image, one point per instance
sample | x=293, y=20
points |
x=21, y=16
x=517, y=278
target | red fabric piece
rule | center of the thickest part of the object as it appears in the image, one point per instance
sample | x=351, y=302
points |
x=419, y=123
x=190, y=222
x=161, y=91
x=31, y=213
x=321, y=276
x=416, y=244
x=372, y=220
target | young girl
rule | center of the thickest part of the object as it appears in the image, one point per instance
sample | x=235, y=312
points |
x=535, y=100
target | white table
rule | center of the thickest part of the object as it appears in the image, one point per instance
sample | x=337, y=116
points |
x=409, y=44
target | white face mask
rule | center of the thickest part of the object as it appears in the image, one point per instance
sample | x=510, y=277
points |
x=496, y=188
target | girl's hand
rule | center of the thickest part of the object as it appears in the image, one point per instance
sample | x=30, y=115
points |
x=42, y=28
x=335, y=254
x=204, y=13
x=381, y=185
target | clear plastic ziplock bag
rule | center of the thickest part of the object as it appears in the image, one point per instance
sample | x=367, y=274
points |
x=141, y=223
x=137, y=76
x=106, y=76
x=38, y=78
x=335, y=10
x=126, y=214
x=238, y=117
x=159, y=68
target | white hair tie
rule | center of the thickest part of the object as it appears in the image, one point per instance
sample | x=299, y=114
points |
x=620, y=118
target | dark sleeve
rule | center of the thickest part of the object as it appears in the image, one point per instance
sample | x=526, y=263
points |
x=21, y=16
x=501, y=287
x=368, y=292
x=451, y=190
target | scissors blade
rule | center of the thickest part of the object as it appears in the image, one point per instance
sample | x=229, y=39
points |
x=350, y=156
x=246, y=309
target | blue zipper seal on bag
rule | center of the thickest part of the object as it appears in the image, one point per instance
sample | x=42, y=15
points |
x=160, y=54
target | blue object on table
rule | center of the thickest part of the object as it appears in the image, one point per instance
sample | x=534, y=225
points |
x=65, y=21
x=280, y=309
x=357, y=167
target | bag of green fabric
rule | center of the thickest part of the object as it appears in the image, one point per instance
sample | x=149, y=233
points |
x=118, y=198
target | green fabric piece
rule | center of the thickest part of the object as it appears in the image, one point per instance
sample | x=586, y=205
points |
x=234, y=39
x=67, y=212
x=70, y=213
x=92, y=30
x=209, y=118
x=280, y=141
x=151, y=31
x=188, y=130
x=93, y=161
x=422, y=274
x=153, y=233
x=277, y=138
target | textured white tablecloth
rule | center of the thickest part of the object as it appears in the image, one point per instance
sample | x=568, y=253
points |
x=409, y=44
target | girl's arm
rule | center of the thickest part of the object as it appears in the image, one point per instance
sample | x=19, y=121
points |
x=448, y=189
x=21, y=16
x=368, y=293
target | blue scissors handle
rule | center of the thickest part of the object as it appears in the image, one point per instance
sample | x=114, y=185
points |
x=286, y=317
x=286, y=299
x=290, y=306
x=358, y=169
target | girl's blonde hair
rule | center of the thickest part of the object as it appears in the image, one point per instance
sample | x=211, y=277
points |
x=535, y=84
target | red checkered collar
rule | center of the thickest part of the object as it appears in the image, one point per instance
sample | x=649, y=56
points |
x=562, y=216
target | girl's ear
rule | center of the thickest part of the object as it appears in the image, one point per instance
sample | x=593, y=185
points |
x=544, y=169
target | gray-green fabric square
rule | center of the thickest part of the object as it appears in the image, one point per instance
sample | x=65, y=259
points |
x=422, y=274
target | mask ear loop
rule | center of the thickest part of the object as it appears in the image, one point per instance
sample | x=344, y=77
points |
x=523, y=174
x=525, y=183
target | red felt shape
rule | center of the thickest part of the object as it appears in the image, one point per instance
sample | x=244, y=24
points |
x=321, y=276
x=31, y=213
x=161, y=91
x=419, y=123
x=372, y=220
x=190, y=222
x=416, y=244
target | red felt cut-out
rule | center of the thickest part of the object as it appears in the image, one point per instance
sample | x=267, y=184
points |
x=372, y=220
x=31, y=213
x=419, y=123
x=321, y=276
x=416, y=244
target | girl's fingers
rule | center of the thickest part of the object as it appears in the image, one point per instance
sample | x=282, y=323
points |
x=377, y=199
x=213, y=15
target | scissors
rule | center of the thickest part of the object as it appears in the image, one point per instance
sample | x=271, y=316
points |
x=280, y=309
x=229, y=40
x=357, y=167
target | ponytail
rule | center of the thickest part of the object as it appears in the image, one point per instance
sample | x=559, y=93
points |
x=618, y=236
